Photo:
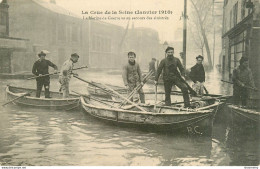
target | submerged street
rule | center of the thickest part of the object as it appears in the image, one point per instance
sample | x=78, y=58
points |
x=46, y=137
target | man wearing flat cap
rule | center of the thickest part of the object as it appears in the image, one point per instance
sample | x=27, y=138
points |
x=41, y=67
x=171, y=76
x=132, y=76
x=65, y=74
x=197, y=75
x=242, y=79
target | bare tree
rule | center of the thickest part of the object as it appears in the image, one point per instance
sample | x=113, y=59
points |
x=202, y=21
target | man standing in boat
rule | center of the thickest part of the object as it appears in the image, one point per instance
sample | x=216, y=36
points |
x=132, y=75
x=152, y=66
x=171, y=76
x=65, y=74
x=242, y=81
x=197, y=75
x=41, y=67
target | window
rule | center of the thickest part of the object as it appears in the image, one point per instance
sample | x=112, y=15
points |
x=243, y=9
x=230, y=19
x=3, y=18
x=61, y=55
x=75, y=34
x=235, y=14
x=61, y=32
x=237, y=50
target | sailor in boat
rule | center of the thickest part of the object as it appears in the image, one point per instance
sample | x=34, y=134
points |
x=41, y=67
x=132, y=76
x=65, y=74
x=171, y=76
x=242, y=79
x=152, y=66
x=197, y=75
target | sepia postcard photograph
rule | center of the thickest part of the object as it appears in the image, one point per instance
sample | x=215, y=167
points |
x=129, y=83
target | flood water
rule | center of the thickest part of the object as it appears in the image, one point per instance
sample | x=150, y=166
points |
x=30, y=136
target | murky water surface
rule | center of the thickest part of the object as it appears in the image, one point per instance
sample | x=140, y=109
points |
x=42, y=137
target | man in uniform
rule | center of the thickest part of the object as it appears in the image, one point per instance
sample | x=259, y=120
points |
x=132, y=75
x=65, y=74
x=242, y=80
x=172, y=77
x=152, y=66
x=41, y=67
x=197, y=75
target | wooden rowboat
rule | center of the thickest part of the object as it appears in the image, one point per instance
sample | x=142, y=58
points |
x=244, y=116
x=56, y=102
x=170, y=119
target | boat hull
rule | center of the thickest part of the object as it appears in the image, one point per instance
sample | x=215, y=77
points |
x=178, y=121
x=56, y=102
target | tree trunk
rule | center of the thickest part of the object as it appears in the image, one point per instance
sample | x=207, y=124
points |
x=203, y=33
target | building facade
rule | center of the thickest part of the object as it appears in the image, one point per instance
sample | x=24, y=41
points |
x=241, y=36
x=100, y=45
x=11, y=48
x=48, y=27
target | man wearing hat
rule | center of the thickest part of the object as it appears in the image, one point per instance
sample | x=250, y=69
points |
x=132, y=75
x=197, y=75
x=41, y=67
x=171, y=76
x=152, y=66
x=65, y=74
x=242, y=78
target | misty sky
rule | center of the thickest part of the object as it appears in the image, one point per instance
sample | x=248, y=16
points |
x=165, y=28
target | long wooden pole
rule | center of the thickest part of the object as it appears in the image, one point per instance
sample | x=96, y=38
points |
x=248, y=87
x=112, y=90
x=34, y=77
x=26, y=94
x=137, y=88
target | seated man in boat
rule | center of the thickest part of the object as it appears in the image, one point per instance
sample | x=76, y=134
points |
x=242, y=81
x=41, y=67
x=197, y=75
x=152, y=66
x=171, y=76
x=65, y=74
x=132, y=76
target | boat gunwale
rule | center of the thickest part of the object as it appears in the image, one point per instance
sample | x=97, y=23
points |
x=83, y=102
x=232, y=106
x=8, y=91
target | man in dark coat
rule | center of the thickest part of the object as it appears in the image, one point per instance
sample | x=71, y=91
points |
x=132, y=75
x=152, y=66
x=197, y=75
x=242, y=78
x=171, y=76
x=41, y=67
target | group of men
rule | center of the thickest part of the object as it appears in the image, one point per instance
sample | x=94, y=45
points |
x=41, y=70
x=173, y=73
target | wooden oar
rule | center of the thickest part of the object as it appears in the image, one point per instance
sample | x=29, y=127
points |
x=34, y=77
x=189, y=88
x=93, y=84
x=26, y=94
x=155, y=100
x=207, y=92
x=112, y=90
x=96, y=99
x=122, y=97
x=137, y=88
x=248, y=87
